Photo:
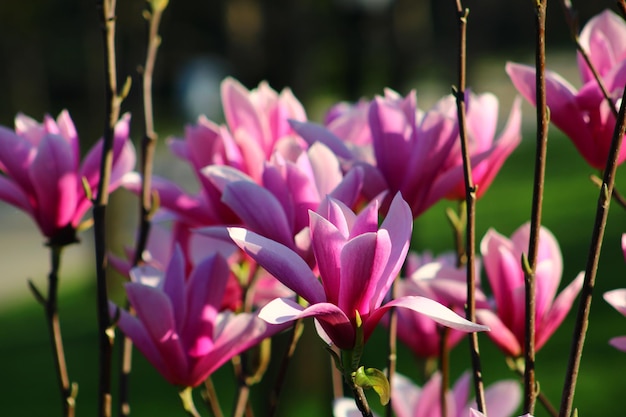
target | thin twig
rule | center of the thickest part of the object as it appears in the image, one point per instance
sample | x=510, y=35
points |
x=470, y=198
x=296, y=332
x=444, y=368
x=584, y=306
x=622, y=7
x=572, y=22
x=617, y=196
x=68, y=400
x=211, y=398
x=112, y=103
x=529, y=262
x=392, y=342
x=148, y=146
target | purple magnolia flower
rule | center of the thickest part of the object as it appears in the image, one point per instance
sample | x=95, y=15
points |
x=584, y=115
x=409, y=400
x=257, y=128
x=617, y=299
x=44, y=176
x=487, y=153
x=438, y=279
x=179, y=327
x=357, y=263
x=501, y=257
x=288, y=191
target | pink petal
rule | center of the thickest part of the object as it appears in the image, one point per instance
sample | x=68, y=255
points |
x=405, y=396
x=313, y=133
x=54, y=179
x=617, y=299
x=503, y=398
x=346, y=407
x=280, y=261
x=561, y=306
x=618, y=343
x=500, y=334
x=327, y=244
x=154, y=310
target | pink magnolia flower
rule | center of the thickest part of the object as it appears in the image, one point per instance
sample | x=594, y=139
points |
x=411, y=148
x=487, y=154
x=179, y=327
x=357, y=263
x=502, y=260
x=289, y=189
x=584, y=115
x=44, y=176
x=438, y=279
x=409, y=400
x=617, y=299
x=257, y=128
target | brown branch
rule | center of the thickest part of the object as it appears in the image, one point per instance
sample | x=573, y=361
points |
x=113, y=102
x=148, y=147
x=572, y=22
x=470, y=199
x=584, y=306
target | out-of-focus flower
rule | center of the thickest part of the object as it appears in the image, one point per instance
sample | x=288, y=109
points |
x=475, y=413
x=257, y=128
x=409, y=400
x=617, y=299
x=357, y=263
x=438, y=279
x=584, y=115
x=44, y=176
x=502, y=260
x=411, y=148
x=487, y=153
x=179, y=327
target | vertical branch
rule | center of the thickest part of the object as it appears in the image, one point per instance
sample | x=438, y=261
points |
x=67, y=391
x=444, y=368
x=529, y=264
x=602, y=211
x=470, y=199
x=392, y=343
x=148, y=146
x=113, y=101
x=571, y=19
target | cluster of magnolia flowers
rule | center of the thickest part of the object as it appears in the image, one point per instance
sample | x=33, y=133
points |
x=285, y=224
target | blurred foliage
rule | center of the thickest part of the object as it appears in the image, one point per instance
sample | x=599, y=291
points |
x=51, y=51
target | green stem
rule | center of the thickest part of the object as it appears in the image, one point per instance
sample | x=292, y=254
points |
x=186, y=396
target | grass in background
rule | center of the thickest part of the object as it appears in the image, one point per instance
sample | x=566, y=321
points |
x=28, y=387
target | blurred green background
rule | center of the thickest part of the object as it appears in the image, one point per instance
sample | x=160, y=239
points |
x=51, y=58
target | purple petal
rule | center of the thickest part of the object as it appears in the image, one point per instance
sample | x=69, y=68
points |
x=280, y=261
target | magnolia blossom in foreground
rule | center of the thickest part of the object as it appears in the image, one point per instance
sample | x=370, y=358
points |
x=357, y=263
x=43, y=175
x=438, y=279
x=179, y=327
x=584, y=115
x=617, y=299
x=506, y=318
x=475, y=413
x=409, y=400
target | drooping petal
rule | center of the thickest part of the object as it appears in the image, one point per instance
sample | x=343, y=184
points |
x=280, y=261
x=617, y=299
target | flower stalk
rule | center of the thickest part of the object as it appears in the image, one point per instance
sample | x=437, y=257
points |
x=470, y=206
x=584, y=306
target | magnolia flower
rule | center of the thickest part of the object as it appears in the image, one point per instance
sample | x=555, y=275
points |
x=257, y=128
x=617, y=299
x=584, y=115
x=502, y=260
x=357, y=263
x=409, y=400
x=487, y=153
x=278, y=208
x=411, y=148
x=44, y=176
x=179, y=327
x=438, y=279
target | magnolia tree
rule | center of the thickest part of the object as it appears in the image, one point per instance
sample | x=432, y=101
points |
x=309, y=223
